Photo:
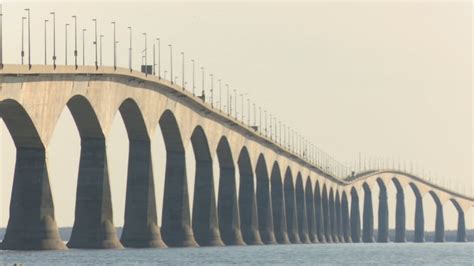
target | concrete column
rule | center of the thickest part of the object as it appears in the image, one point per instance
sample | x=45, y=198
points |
x=355, y=218
x=279, y=212
x=346, y=224
x=419, y=220
x=439, y=226
x=265, y=212
x=301, y=213
x=368, y=219
x=291, y=214
x=228, y=209
x=93, y=224
x=205, y=223
x=319, y=216
x=338, y=211
x=326, y=218
x=176, y=224
x=383, y=217
x=400, y=220
x=310, y=213
x=248, y=210
x=332, y=219
x=140, y=229
x=461, y=234
x=31, y=225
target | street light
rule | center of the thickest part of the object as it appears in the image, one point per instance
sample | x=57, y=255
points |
x=130, y=51
x=75, y=41
x=83, y=47
x=65, y=47
x=220, y=95
x=29, y=39
x=1, y=39
x=182, y=78
x=22, y=38
x=212, y=89
x=228, y=99
x=159, y=58
x=171, y=62
x=54, y=38
x=95, y=43
x=45, y=44
x=146, y=57
x=101, y=36
x=203, y=95
x=192, y=60
x=154, y=64
x=115, y=48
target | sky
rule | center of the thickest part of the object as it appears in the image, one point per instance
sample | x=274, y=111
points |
x=387, y=80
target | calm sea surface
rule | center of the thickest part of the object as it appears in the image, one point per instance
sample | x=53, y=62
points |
x=329, y=254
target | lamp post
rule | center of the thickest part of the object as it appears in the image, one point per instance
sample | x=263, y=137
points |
x=75, y=41
x=228, y=99
x=159, y=58
x=182, y=77
x=192, y=60
x=154, y=63
x=45, y=44
x=1, y=38
x=115, y=48
x=22, y=38
x=95, y=43
x=101, y=36
x=248, y=111
x=235, y=106
x=65, y=47
x=146, y=57
x=171, y=62
x=203, y=92
x=29, y=39
x=130, y=50
x=54, y=39
x=212, y=89
x=220, y=95
x=83, y=47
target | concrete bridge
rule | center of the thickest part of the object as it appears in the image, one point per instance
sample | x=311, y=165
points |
x=263, y=192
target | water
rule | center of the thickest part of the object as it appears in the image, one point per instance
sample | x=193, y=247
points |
x=328, y=254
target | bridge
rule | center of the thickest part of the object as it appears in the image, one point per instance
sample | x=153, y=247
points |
x=266, y=192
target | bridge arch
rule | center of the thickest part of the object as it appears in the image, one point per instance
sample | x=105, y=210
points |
x=278, y=205
x=301, y=210
x=141, y=223
x=227, y=206
x=264, y=203
x=204, y=215
x=27, y=227
x=93, y=224
x=290, y=207
x=176, y=221
x=247, y=200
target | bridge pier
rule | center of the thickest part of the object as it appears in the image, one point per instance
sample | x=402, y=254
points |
x=461, y=233
x=339, y=218
x=319, y=215
x=31, y=225
x=439, y=225
x=309, y=197
x=301, y=211
x=290, y=208
x=419, y=219
x=278, y=207
x=326, y=216
x=400, y=220
x=264, y=204
x=355, y=217
x=383, y=236
x=346, y=223
x=368, y=219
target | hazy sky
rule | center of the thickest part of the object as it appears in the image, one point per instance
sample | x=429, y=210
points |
x=387, y=79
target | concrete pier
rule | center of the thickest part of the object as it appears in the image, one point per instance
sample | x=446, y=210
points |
x=461, y=233
x=290, y=208
x=419, y=218
x=332, y=218
x=346, y=223
x=400, y=220
x=310, y=212
x=264, y=204
x=319, y=213
x=339, y=218
x=301, y=211
x=382, y=236
x=368, y=217
x=279, y=207
x=355, y=217
x=326, y=216
x=439, y=224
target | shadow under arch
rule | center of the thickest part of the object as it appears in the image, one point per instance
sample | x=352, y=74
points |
x=264, y=203
x=31, y=223
x=310, y=211
x=176, y=225
x=419, y=236
x=93, y=220
x=461, y=231
x=439, y=223
x=301, y=210
x=400, y=216
x=247, y=200
x=345, y=218
x=383, y=230
x=227, y=206
x=326, y=215
x=319, y=213
x=290, y=208
x=278, y=205
x=205, y=222
x=355, y=216
x=368, y=216
x=332, y=216
x=141, y=224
